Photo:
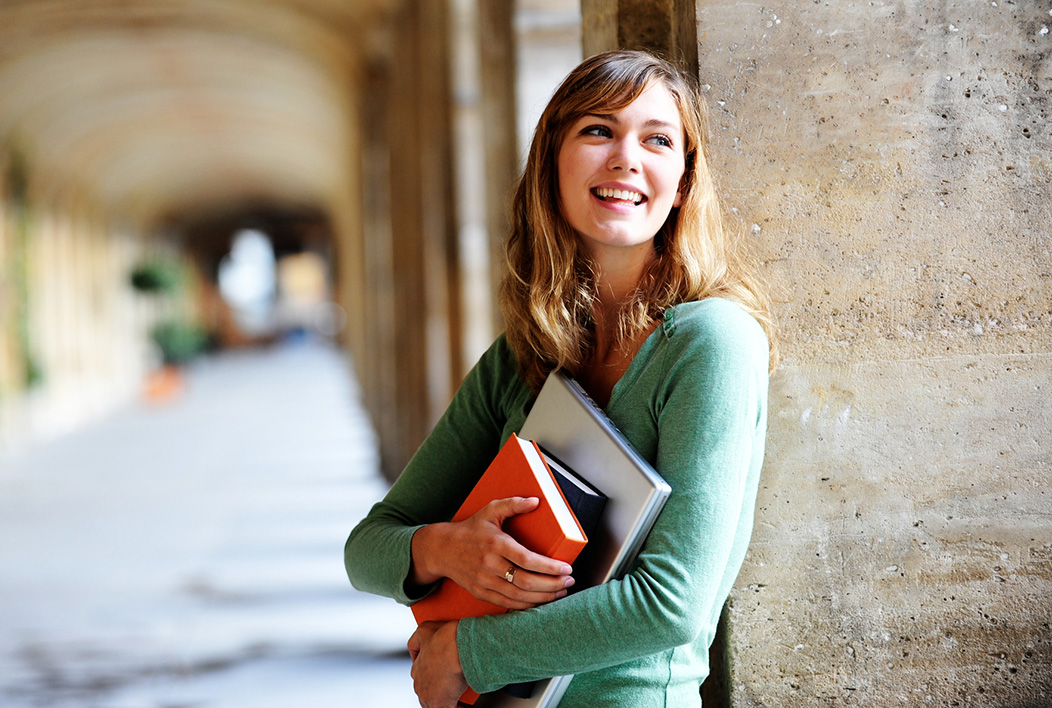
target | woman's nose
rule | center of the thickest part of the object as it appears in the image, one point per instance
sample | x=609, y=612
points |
x=624, y=156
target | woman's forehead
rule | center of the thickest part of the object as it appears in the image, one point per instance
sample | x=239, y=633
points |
x=618, y=100
x=660, y=107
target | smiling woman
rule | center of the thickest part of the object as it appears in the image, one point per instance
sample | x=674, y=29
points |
x=621, y=275
x=690, y=256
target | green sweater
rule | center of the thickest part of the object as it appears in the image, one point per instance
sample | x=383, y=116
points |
x=693, y=402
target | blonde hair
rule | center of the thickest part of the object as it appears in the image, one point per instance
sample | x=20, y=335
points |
x=548, y=290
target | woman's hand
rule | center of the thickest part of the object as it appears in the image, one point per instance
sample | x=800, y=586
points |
x=438, y=678
x=479, y=556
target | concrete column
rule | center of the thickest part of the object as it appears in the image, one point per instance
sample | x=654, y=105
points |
x=376, y=364
x=11, y=377
x=408, y=271
x=891, y=163
x=499, y=110
x=439, y=207
x=472, y=290
x=347, y=224
x=668, y=27
x=424, y=269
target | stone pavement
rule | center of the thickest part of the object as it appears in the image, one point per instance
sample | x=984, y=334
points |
x=190, y=555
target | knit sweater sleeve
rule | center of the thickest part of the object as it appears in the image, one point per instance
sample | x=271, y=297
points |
x=377, y=554
x=706, y=396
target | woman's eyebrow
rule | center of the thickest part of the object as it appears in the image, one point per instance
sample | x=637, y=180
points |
x=649, y=124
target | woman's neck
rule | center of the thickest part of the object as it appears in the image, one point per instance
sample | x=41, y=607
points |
x=618, y=274
x=610, y=358
x=612, y=354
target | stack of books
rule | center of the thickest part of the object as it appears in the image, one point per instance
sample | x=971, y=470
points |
x=594, y=489
x=553, y=529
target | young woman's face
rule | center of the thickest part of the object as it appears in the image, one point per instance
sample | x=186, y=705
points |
x=620, y=173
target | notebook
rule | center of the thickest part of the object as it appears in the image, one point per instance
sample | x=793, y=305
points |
x=566, y=423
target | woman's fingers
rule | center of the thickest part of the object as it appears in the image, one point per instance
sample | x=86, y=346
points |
x=535, y=565
x=438, y=677
x=495, y=588
x=499, y=510
x=544, y=579
x=478, y=555
x=531, y=588
x=521, y=556
x=534, y=582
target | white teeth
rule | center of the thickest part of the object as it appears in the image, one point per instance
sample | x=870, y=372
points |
x=619, y=194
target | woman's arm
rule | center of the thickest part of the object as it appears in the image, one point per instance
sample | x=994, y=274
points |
x=378, y=553
x=405, y=544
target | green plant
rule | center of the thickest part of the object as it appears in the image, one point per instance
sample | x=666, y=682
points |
x=179, y=341
x=156, y=277
x=20, y=207
x=34, y=373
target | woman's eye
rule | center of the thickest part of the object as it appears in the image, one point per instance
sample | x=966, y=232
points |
x=661, y=140
x=599, y=130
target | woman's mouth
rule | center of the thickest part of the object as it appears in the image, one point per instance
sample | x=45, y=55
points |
x=619, y=195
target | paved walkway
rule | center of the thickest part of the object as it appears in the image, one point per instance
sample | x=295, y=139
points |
x=191, y=554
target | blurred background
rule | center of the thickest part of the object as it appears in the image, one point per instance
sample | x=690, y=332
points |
x=247, y=250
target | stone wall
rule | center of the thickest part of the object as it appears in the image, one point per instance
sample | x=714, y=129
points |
x=892, y=162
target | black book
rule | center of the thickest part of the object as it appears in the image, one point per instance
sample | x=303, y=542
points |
x=585, y=501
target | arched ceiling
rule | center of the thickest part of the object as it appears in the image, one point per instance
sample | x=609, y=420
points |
x=162, y=108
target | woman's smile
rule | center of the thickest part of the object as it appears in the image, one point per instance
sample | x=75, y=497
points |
x=617, y=196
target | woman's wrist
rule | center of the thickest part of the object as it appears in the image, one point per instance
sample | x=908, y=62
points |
x=424, y=568
x=449, y=629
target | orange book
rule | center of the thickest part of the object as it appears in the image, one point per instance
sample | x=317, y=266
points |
x=518, y=470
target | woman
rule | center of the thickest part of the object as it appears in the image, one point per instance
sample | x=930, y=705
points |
x=619, y=273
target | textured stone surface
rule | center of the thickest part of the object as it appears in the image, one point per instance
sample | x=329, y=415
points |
x=902, y=549
x=892, y=161
x=898, y=156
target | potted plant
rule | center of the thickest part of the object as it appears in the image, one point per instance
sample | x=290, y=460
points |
x=178, y=342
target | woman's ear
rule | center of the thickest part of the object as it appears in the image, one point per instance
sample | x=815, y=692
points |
x=685, y=180
x=681, y=191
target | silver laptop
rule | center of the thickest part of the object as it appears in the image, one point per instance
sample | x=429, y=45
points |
x=567, y=424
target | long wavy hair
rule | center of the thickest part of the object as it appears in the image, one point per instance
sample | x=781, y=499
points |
x=549, y=288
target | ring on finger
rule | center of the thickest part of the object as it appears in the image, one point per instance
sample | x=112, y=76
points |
x=509, y=574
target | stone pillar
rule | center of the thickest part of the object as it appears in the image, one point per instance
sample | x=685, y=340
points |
x=439, y=206
x=891, y=163
x=668, y=27
x=424, y=283
x=12, y=366
x=498, y=78
x=377, y=364
x=348, y=217
x=474, y=292
x=409, y=292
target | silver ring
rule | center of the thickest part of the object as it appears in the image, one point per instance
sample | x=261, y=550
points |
x=509, y=574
